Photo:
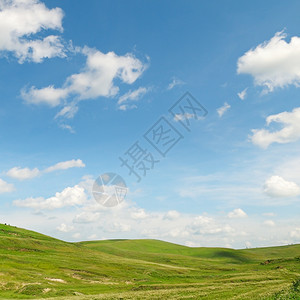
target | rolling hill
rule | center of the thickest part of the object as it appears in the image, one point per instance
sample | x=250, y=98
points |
x=35, y=266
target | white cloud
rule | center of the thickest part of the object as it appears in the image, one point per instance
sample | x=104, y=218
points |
x=119, y=227
x=20, y=20
x=221, y=110
x=248, y=244
x=295, y=233
x=175, y=82
x=185, y=116
x=198, y=230
x=26, y=173
x=74, y=163
x=67, y=127
x=269, y=223
x=269, y=214
x=125, y=107
x=5, y=187
x=139, y=214
x=274, y=63
x=76, y=235
x=86, y=217
x=68, y=111
x=172, y=214
x=202, y=225
x=49, y=95
x=92, y=237
x=70, y=196
x=96, y=80
x=64, y=228
x=276, y=186
x=242, y=95
x=290, y=132
x=179, y=233
x=237, y=213
x=22, y=174
x=288, y=166
x=133, y=95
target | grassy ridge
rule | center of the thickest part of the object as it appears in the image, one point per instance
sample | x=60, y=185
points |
x=33, y=265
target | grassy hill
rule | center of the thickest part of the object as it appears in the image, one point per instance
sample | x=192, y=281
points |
x=33, y=265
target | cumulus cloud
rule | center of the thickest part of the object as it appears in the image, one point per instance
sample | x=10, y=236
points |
x=74, y=163
x=276, y=186
x=237, y=213
x=119, y=227
x=222, y=110
x=65, y=228
x=48, y=95
x=70, y=196
x=86, y=217
x=290, y=132
x=96, y=80
x=5, y=187
x=269, y=223
x=92, y=236
x=20, y=20
x=76, y=235
x=139, y=214
x=172, y=214
x=242, y=95
x=175, y=82
x=295, y=233
x=178, y=227
x=23, y=173
x=274, y=63
x=202, y=225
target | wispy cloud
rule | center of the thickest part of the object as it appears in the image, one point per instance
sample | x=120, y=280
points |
x=175, y=82
x=26, y=173
x=67, y=127
x=222, y=110
x=185, y=116
x=242, y=95
x=136, y=95
x=74, y=163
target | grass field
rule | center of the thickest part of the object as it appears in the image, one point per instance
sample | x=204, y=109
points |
x=33, y=265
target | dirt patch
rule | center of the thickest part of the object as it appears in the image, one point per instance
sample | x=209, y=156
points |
x=56, y=280
x=47, y=290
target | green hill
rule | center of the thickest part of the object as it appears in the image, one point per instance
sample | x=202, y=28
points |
x=33, y=265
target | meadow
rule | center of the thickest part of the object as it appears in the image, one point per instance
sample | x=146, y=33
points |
x=35, y=266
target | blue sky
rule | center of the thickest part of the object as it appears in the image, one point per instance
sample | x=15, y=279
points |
x=81, y=82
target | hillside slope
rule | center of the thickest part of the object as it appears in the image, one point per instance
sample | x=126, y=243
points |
x=33, y=265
